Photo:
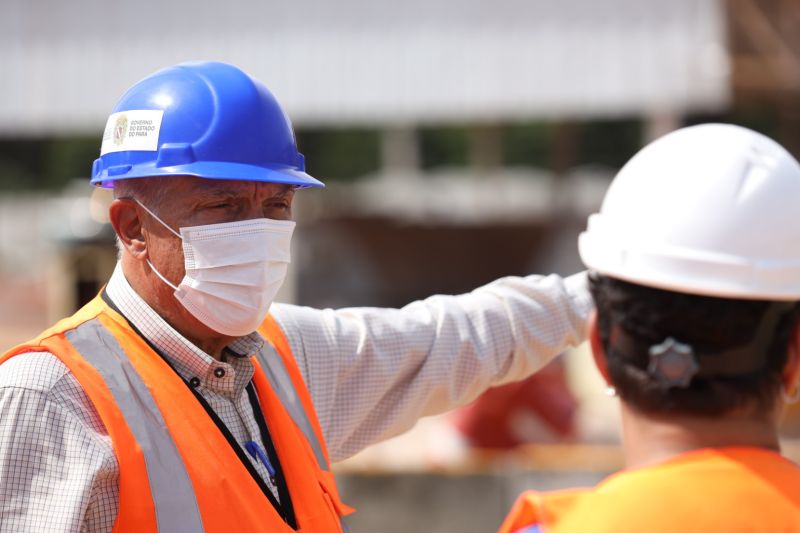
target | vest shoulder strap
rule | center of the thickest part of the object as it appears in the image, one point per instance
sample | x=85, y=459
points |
x=85, y=344
x=169, y=483
x=280, y=367
x=278, y=363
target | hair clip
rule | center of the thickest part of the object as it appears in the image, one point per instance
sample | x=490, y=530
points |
x=672, y=364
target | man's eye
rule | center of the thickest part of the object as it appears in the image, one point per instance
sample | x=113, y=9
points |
x=219, y=206
x=277, y=204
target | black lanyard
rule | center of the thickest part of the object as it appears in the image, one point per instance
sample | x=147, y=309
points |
x=284, y=508
x=269, y=446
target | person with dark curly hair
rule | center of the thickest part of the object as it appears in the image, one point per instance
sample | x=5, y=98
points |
x=695, y=273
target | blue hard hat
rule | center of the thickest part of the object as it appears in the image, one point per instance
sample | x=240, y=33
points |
x=203, y=119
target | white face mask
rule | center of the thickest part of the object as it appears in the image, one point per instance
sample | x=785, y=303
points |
x=233, y=271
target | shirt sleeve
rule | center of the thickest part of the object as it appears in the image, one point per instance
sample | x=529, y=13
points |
x=56, y=475
x=372, y=373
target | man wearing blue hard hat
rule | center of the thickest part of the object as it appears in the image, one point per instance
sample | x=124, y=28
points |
x=182, y=399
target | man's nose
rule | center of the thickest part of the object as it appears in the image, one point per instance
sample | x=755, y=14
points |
x=255, y=211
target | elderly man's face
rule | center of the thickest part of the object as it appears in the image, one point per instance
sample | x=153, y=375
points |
x=188, y=201
x=197, y=201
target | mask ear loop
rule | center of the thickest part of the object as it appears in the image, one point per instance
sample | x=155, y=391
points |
x=161, y=277
x=154, y=269
x=178, y=235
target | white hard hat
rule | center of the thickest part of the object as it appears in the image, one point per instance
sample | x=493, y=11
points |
x=710, y=210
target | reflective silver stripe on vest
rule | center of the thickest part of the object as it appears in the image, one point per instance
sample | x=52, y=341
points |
x=175, y=503
x=281, y=383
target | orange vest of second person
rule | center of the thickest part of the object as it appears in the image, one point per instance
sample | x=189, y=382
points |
x=725, y=489
x=178, y=472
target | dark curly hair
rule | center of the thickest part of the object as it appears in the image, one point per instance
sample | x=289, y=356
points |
x=709, y=325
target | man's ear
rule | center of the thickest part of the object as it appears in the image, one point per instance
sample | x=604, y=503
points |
x=598, y=353
x=790, y=378
x=127, y=224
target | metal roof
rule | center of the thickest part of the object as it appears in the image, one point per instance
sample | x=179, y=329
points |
x=362, y=62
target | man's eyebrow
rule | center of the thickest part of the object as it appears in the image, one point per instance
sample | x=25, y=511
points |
x=284, y=191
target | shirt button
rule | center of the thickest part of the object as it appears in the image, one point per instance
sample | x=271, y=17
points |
x=219, y=371
x=194, y=382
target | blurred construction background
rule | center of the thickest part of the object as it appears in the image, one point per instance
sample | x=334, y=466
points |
x=461, y=140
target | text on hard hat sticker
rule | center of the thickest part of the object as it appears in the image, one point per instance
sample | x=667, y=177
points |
x=132, y=130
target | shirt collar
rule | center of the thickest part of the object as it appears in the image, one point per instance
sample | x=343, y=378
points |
x=187, y=359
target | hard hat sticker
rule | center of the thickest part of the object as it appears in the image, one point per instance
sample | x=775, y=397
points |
x=132, y=130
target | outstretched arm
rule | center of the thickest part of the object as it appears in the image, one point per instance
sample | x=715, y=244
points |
x=374, y=372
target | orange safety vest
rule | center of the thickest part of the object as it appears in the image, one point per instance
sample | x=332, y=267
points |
x=178, y=473
x=724, y=489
